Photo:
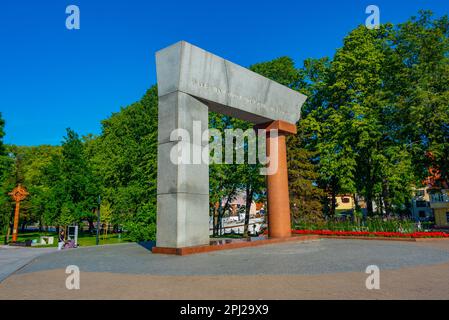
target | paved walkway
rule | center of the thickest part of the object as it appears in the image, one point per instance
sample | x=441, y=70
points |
x=325, y=269
x=14, y=258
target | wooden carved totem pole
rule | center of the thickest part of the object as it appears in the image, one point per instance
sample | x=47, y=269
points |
x=18, y=194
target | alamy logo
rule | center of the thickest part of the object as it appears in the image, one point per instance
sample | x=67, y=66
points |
x=373, y=280
x=207, y=147
x=73, y=280
x=73, y=20
x=373, y=20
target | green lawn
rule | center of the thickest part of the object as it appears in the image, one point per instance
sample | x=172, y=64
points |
x=84, y=239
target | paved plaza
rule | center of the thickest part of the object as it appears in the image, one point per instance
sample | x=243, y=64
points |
x=14, y=258
x=322, y=269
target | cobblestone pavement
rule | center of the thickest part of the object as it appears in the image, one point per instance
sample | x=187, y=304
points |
x=325, y=269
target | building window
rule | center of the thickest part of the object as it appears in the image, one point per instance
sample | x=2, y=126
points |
x=345, y=200
x=422, y=214
x=419, y=193
x=447, y=216
x=421, y=204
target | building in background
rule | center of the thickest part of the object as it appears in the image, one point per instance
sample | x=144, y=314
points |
x=345, y=203
x=420, y=207
x=233, y=221
x=439, y=202
x=437, y=195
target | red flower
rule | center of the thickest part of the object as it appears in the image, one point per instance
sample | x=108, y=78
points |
x=376, y=234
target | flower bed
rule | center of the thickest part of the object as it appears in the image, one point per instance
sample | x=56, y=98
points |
x=374, y=234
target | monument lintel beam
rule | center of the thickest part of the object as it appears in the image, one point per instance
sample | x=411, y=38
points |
x=281, y=126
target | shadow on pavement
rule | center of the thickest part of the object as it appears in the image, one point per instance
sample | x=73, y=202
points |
x=147, y=244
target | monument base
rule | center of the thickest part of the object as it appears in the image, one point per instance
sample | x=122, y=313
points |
x=231, y=245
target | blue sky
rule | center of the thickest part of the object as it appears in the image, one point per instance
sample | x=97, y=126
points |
x=52, y=78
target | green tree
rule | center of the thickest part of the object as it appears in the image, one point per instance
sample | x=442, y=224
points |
x=3, y=154
x=225, y=181
x=6, y=183
x=29, y=167
x=422, y=43
x=124, y=158
x=73, y=188
x=305, y=195
x=353, y=120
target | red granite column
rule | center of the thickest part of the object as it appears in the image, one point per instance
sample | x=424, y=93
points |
x=279, y=223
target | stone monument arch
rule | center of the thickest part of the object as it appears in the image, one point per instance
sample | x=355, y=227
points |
x=192, y=82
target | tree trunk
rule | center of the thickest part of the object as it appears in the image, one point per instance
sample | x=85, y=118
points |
x=23, y=226
x=8, y=232
x=333, y=202
x=222, y=210
x=216, y=225
x=215, y=220
x=380, y=205
x=356, y=209
x=91, y=225
x=10, y=226
x=249, y=200
x=226, y=207
x=369, y=190
x=386, y=197
x=369, y=203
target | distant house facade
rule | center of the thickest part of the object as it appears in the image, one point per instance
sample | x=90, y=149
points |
x=439, y=202
x=233, y=221
x=237, y=206
x=420, y=206
x=433, y=200
x=345, y=202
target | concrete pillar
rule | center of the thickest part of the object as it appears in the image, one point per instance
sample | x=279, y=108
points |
x=279, y=222
x=182, y=189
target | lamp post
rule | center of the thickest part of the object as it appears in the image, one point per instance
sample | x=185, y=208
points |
x=98, y=220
